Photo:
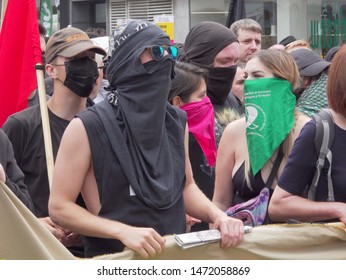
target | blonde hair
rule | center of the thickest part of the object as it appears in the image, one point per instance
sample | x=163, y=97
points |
x=297, y=44
x=246, y=24
x=226, y=116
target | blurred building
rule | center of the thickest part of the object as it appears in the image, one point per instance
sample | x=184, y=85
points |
x=321, y=22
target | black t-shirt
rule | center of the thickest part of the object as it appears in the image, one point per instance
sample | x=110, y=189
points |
x=301, y=165
x=203, y=174
x=14, y=176
x=24, y=129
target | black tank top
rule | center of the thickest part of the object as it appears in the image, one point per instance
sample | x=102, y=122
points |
x=117, y=200
x=243, y=192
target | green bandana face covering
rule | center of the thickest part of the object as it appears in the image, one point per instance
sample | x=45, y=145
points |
x=269, y=114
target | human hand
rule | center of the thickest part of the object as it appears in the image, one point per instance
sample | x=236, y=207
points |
x=59, y=232
x=232, y=230
x=342, y=211
x=190, y=221
x=145, y=241
x=72, y=239
x=2, y=174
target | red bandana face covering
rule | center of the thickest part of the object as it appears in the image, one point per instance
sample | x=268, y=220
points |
x=200, y=118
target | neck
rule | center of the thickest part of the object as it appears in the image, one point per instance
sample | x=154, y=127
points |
x=66, y=104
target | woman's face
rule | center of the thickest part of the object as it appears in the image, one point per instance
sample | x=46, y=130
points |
x=254, y=69
x=199, y=93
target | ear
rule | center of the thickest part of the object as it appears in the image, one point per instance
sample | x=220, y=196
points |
x=176, y=101
x=50, y=70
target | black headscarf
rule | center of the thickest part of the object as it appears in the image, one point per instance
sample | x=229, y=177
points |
x=204, y=41
x=151, y=127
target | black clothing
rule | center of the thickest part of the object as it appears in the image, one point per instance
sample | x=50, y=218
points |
x=204, y=41
x=233, y=102
x=301, y=165
x=24, y=129
x=118, y=201
x=14, y=176
x=242, y=191
x=203, y=174
x=151, y=130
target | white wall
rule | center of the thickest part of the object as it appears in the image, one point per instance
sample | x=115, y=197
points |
x=291, y=19
x=181, y=10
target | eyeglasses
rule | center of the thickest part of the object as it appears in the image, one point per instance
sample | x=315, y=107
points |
x=157, y=52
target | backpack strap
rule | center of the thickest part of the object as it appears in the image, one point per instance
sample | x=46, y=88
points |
x=275, y=168
x=323, y=141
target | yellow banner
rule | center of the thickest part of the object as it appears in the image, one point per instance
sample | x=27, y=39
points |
x=23, y=237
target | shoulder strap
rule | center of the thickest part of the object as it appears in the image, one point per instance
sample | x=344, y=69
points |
x=275, y=168
x=324, y=138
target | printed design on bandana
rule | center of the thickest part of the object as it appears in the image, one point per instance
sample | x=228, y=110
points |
x=115, y=41
x=255, y=118
x=269, y=115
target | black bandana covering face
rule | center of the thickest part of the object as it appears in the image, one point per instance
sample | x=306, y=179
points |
x=152, y=129
x=219, y=83
x=204, y=41
x=81, y=75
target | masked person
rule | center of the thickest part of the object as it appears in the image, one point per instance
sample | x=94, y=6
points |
x=214, y=47
x=130, y=157
x=70, y=63
x=328, y=204
x=188, y=92
x=253, y=146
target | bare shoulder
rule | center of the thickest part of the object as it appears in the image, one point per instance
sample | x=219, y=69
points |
x=75, y=137
x=75, y=124
x=235, y=128
x=75, y=130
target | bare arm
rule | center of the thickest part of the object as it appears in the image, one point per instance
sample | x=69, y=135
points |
x=225, y=162
x=73, y=171
x=284, y=206
x=199, y=206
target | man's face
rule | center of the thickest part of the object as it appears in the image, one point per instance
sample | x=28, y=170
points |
x=228, y=56
x=250, y=42
x=238, y=84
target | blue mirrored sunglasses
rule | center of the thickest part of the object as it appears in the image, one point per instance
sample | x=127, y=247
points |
x=157, y=52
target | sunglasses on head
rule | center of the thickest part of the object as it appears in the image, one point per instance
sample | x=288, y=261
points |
x=158, y=52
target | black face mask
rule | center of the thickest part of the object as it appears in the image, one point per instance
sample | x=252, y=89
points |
x=81, y=75
x=219, y=83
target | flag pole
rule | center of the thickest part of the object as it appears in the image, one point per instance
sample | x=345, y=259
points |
x=45, y=122
x=3, y=9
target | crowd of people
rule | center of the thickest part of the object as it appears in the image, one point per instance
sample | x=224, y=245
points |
x=151, y=139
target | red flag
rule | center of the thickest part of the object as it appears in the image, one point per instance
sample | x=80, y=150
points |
x=20, y=50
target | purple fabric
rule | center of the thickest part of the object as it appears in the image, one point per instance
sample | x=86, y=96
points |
x=257, y=207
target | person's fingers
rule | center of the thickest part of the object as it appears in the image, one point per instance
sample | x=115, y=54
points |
x=57, y=233
x=236, y=234
x=231, y=233
x=142, y=252
x=224, y=235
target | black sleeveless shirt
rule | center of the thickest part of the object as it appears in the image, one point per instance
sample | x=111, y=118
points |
x=243, y=192
x=118, y=201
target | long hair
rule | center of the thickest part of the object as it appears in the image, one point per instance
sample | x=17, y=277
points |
x=336, y=83
x=283, y=66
